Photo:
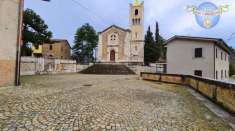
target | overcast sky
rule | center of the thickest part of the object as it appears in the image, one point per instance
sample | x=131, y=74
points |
x=65, y=16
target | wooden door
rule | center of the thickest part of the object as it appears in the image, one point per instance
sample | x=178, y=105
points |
x=112, y=56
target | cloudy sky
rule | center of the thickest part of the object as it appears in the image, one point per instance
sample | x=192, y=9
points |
x=65, y=16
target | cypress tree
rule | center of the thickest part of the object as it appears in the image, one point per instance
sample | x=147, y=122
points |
x=149, y=48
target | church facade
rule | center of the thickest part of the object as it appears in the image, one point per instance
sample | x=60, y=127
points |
x=118, y=45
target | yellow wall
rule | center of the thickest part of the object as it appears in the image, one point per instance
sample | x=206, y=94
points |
x=37, y=51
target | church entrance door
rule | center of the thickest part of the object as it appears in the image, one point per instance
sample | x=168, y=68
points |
x=112, y=56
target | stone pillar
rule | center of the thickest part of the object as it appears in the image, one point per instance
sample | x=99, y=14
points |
x=9, y=32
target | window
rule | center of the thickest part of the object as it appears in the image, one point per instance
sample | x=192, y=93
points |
x=225, y=57
x=222, y=74
x=198, y=52
x=136, y=12
x=221, y=55
x=113, y=37
x=50, y=47
x=198, y=73
x=225, y=74
x=216, y=53
x=136, y=34
x=62, y=48
x=216, y=75
x=139, y=21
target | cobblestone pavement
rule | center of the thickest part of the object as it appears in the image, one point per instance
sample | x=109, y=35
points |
x=88, y=102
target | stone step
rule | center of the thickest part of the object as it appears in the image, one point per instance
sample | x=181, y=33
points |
x=108, y=69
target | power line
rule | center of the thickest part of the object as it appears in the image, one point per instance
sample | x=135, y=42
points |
x=231, y=37
x=90, y=11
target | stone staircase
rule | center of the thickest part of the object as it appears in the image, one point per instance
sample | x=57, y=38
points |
x=108, y=69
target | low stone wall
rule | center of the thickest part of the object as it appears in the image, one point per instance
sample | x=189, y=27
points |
x=139, y=69
x=219, y=92
x=32, y=66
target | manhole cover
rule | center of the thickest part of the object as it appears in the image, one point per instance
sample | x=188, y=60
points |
x=87, y=85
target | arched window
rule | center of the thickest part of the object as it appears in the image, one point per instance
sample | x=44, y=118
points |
x=113, y=37
x=136, y=12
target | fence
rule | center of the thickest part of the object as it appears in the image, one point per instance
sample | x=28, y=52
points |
x=219, y=92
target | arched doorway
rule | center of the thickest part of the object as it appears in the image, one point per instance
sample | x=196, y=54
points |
x=112, y=56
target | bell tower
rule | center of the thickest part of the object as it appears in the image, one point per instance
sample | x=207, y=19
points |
x=137, y=31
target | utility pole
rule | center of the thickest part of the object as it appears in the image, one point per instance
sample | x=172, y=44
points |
x=20, y=41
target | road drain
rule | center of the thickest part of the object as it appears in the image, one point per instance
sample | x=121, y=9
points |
x=87, y=85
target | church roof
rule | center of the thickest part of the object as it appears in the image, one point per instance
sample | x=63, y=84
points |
x=115, y=26
x=61, y=40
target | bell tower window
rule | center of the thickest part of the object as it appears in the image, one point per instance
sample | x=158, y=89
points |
x=136, y=11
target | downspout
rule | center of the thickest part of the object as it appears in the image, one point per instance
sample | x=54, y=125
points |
x=214, y=62
x=19, y=43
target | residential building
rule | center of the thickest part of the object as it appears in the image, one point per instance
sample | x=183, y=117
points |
x=57, y=49
x=199, y=56
x=118, y=45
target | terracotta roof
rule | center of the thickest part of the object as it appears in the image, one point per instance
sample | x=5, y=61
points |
x=61, y=40
x=115, y=26
x=219, y=42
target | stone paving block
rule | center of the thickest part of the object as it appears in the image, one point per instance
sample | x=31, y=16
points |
x=63, y=102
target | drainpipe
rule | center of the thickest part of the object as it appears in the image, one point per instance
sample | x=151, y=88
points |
x=19, y=43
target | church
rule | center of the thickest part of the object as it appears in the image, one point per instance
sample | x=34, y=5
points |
x=119, y=45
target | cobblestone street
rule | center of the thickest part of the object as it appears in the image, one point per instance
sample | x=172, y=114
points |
x=89, y=102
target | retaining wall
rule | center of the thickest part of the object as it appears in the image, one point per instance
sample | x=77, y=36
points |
x=219, y=92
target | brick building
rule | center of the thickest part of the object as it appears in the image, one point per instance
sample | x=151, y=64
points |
x=59, y=49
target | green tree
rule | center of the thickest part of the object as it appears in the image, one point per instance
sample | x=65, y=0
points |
x=86, y=40
x=232, y=49
x=35, y=31
x=231, y=70
x=150, y=50
x=159, y=43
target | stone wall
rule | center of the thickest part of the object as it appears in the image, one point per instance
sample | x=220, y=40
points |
x=33, y=66
x=139, y=69
x=219, y=92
